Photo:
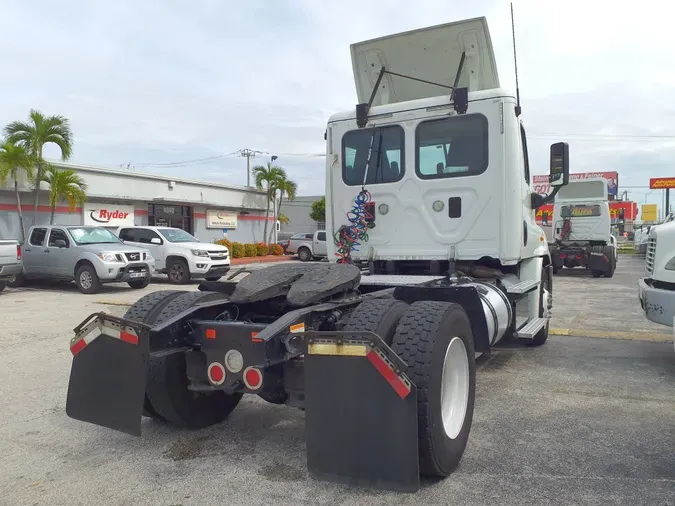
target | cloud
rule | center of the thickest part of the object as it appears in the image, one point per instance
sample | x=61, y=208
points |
x=166, y=80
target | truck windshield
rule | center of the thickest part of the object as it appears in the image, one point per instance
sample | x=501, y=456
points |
x=176, y=235
x=92, y=235
x=387, y=161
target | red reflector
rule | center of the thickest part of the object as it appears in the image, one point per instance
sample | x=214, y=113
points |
x=397, y=383
x=210, y=333
x=579, y=257
x=254, y=338
x=78, y=347
x=563, y=256
x=252, y=378
x=216, y=373
x=128, y=338
x=18, y=252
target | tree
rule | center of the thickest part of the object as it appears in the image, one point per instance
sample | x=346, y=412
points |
x=318, y=212
x=266, y=178
x=15, y=160
x=34, y=134
x=283, y=219
x=285, y=187
x=65, y=184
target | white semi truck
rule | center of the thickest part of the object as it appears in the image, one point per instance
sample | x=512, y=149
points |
x=656, y=291
x=436, y=258
x=582, y=229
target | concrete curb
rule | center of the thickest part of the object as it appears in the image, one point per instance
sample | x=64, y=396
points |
x=613, y=334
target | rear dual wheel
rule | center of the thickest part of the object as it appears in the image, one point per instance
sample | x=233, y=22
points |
x=167, y=397
x=436, y=342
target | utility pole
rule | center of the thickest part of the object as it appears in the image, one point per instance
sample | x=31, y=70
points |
x=249, y=153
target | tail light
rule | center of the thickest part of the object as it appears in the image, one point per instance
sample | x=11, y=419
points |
x=563, y=256
x=18, y=252
x=253, y=378
x=288, y=243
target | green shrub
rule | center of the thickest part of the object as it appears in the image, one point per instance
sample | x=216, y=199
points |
x=237, y=250
x=276, y=250
x=261, y=249
x=224, y=242
x=250, y=250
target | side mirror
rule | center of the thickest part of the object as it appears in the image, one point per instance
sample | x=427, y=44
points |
x=565, y=212
x=60, y=243
x=155, y=240
x=559, y=174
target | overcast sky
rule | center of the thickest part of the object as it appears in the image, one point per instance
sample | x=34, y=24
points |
x=150, y=82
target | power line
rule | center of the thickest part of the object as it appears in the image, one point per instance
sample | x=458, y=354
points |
x=186, y=162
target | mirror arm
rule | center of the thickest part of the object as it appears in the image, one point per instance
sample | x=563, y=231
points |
x=540, y=200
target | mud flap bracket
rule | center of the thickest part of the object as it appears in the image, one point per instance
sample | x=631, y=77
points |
x=361, y=413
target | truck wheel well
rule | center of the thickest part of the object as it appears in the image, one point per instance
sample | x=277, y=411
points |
x=171, y=258
x=79, y=264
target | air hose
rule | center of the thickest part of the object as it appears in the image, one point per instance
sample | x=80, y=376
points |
x=349, y=237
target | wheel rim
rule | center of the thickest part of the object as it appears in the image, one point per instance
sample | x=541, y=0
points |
x=177, y=272
x=546, y=302
x=304, y=254
x=454, y=387
x=86, y=280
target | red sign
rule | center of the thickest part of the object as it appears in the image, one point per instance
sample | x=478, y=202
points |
x=661, y=183
x=630, y=211
x=541, y=185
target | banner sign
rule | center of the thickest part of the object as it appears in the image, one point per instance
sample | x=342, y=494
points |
x=107, y=215
x=648, y=212
x=221, y=219
x=541, y=185
x=661, y=183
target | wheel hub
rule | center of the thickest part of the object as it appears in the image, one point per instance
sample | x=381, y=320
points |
x=454, y=387
x=85, y=280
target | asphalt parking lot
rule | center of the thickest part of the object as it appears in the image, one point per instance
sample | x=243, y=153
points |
x=581, y=420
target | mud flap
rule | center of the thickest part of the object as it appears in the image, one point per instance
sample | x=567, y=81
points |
x=598, y=261
x=108, y=375
x=361, y=413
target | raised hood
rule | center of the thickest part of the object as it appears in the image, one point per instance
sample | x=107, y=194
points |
x=432, y=54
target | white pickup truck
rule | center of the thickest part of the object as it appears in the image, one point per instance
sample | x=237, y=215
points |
x=178, y=254
x=10, y=261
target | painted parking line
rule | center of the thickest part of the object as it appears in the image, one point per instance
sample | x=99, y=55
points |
x=612, y=334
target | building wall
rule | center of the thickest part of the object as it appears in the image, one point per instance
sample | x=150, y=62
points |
x=297, y=212
x=114, y=186
x=249, y=227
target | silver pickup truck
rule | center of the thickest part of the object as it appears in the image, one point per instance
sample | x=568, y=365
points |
x=10, y=262
x=89, y=255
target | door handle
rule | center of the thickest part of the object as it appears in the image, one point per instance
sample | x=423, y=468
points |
x=46, y=251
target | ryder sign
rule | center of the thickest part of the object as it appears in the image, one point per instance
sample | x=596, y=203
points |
x=108, y=215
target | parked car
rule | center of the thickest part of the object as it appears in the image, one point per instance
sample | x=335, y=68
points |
x=308, y=246
x=178, y=254
x=10, y=261
x=90, y=256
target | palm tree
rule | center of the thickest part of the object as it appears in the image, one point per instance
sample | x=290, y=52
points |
x=266, y=178
x=284, y=186
x=14, y=160
x=34, y=134
x=65, y=184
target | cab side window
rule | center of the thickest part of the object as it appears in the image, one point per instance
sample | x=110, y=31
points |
x=127, y=234
x=37, y=237
x=526, y=160
x=57, y=234
x=145, y=236
x=321, y=236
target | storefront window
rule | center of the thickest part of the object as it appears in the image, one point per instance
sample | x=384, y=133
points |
x=161, y=215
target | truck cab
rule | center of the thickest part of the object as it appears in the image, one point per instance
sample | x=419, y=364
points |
x=582, y=228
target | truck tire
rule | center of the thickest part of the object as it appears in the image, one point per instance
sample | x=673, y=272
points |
x=145, y=310
x=178, y=271
x=3, y=285
x=304, y=254
x=380, y=316
x=87, y=280
x=435, y=340
x=542, y=335
x=598, y=249
x=17, y=281
x=167, y=382
x=610, y=253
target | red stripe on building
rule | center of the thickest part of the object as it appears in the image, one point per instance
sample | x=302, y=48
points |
x=141, y=212
x=397, y=383
x=41, y=209
x=199, y=216
x=250, y=217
